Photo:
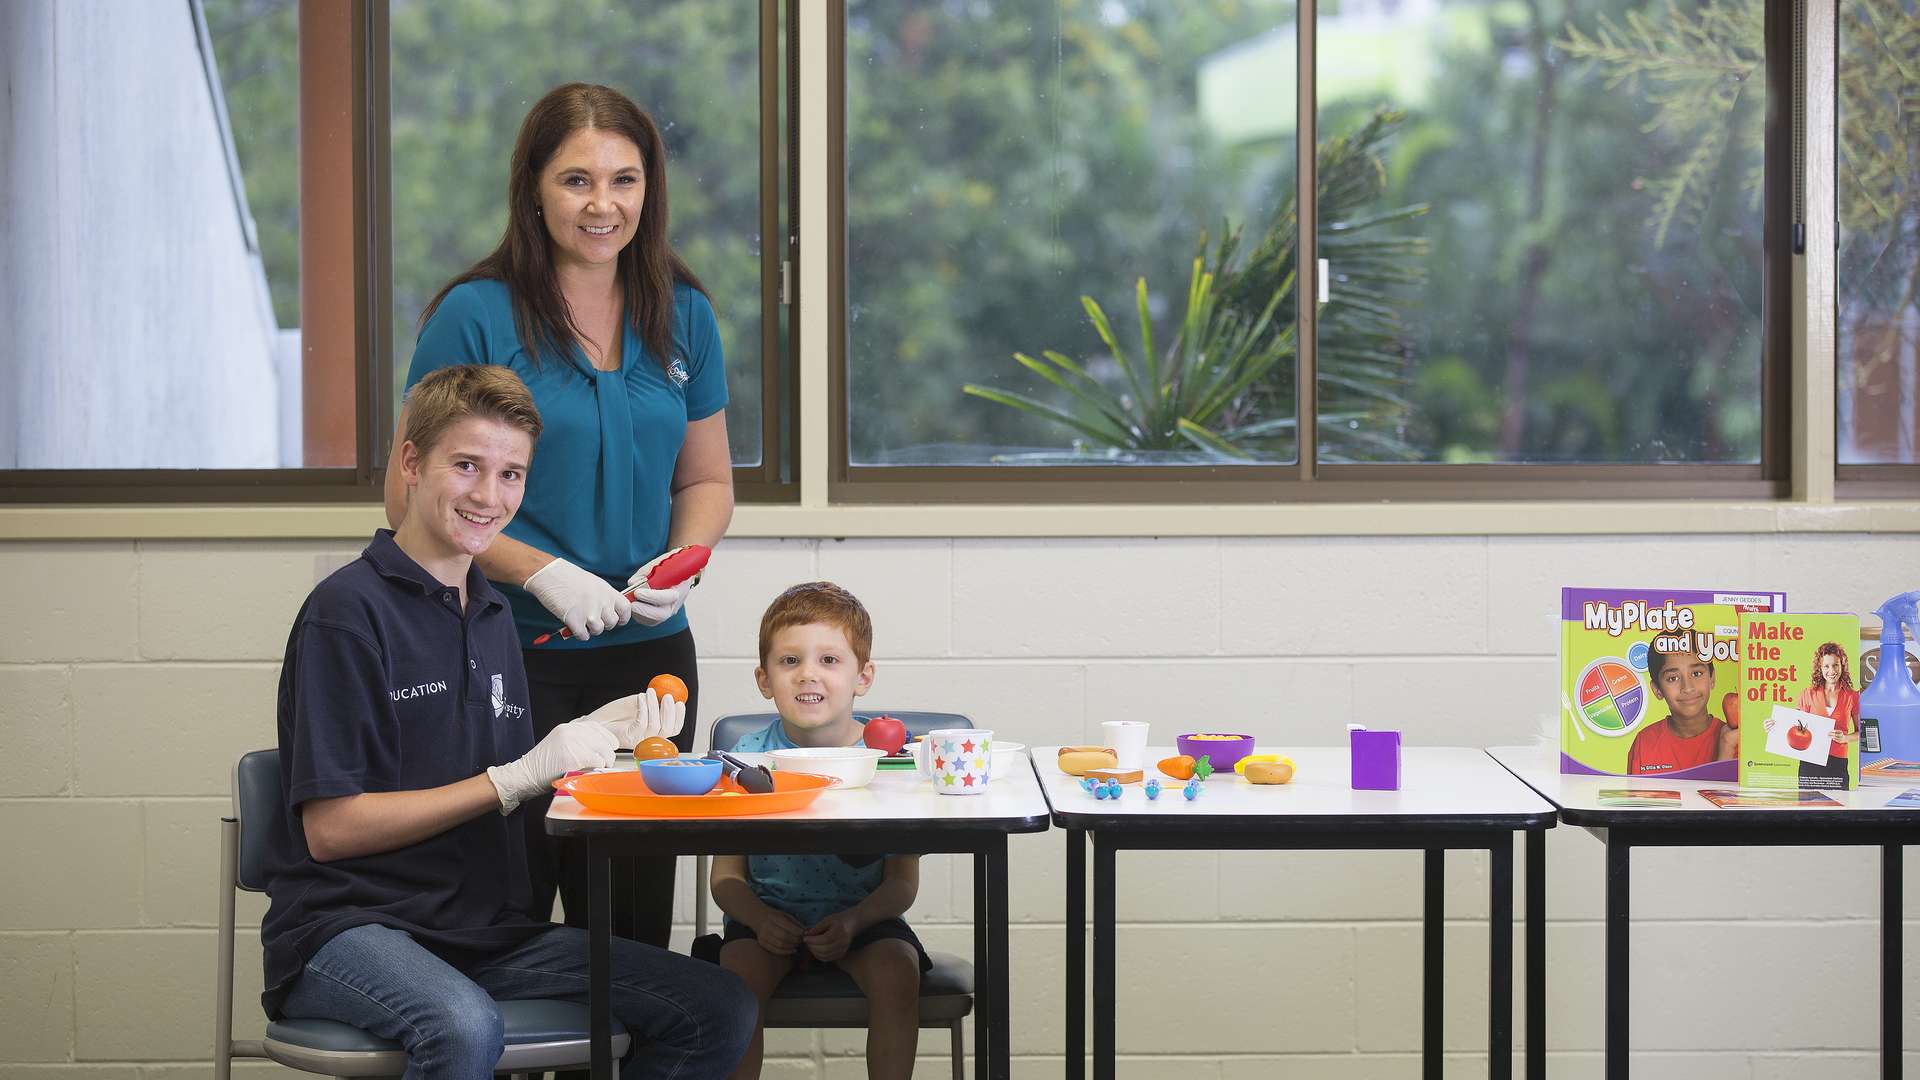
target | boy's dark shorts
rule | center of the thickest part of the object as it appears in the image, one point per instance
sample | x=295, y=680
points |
x=708, y=948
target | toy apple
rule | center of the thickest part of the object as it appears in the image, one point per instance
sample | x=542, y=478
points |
x=885, y=733
x=1799, y=736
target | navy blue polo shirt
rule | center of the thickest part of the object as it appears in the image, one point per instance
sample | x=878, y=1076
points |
x=388, y=686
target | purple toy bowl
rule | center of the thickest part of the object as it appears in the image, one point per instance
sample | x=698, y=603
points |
x=1222, y=750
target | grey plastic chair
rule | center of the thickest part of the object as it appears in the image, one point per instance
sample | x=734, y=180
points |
x=823, y=996
x=541, y=1035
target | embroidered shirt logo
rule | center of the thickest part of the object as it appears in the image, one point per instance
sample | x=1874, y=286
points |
x=499, y=695
x=407, y=693
x=677, y=371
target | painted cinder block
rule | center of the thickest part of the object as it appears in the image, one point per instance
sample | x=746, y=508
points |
x=68, y=602
x=53, y=845
x=223, y=601
x=1073, y=598
x=36, y=727
x=36, y=998
x=905, y=585
x=169, y=729
x=1347, y=596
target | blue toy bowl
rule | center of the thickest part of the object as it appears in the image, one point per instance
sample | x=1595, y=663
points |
x=680, y=776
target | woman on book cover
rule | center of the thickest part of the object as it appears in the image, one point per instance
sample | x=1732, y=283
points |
x=1831, y=694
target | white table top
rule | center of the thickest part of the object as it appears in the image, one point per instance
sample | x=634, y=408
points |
x=1011, y=802
x=1578, y=796
x=1442, y=785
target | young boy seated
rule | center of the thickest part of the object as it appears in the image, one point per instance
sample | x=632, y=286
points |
x=787, y=911
x=400, y=899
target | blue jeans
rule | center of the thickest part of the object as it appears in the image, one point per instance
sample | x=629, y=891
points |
x=689, y=1019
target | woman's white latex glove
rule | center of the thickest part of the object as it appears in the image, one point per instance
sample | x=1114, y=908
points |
x=655, y=606
x=584, y=602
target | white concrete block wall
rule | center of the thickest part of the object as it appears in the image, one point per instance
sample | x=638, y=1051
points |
x=131, y=674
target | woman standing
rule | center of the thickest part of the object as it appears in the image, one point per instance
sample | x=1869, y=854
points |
x=587, y=302
x=1831, y=694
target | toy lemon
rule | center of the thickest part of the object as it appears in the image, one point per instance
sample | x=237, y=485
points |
x=1241, y=765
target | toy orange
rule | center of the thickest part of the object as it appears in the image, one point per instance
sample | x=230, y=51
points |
x=655, y=748
x=663, y=685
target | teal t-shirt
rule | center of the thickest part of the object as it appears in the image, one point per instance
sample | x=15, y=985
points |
x=807, y=887
x=599, y=494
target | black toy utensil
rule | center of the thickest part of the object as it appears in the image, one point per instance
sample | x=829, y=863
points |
x=753, y=779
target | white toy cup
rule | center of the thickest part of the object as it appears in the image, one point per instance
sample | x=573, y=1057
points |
x=959, y=760
x=1129, y=741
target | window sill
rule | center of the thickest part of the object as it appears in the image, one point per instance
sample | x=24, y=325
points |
x=356, y=521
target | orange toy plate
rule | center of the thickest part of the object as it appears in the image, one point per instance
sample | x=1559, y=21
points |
x=627, y=794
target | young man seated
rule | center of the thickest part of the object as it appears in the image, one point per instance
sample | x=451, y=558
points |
x=787, y=911
x=400, y=894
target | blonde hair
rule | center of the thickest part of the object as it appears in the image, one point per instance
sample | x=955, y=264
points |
x=819, y=602
x=452, y=394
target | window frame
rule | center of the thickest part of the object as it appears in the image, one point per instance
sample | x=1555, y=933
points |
x=346, y=280
x=1307, y=480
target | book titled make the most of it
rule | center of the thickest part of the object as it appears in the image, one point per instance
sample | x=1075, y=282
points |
x=1613, y=720
x=1799, y=712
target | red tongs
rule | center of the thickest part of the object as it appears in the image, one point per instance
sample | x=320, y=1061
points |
x=677, y=567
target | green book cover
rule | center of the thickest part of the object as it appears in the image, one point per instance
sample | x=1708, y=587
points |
x=1799, y=701
x=1646, y=676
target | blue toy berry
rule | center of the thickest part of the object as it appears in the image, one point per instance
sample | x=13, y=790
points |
x=1113, y=789
x=1192, y=790
x=1153, y=790
x=1087, y=784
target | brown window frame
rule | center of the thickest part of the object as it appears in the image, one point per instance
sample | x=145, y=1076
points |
x=1307, y=480
x=345, y=284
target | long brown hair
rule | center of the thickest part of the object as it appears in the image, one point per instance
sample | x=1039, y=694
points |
x=648, y=265
x=1832, y=648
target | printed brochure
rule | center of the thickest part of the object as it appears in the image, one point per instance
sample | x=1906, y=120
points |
x=1614, y=719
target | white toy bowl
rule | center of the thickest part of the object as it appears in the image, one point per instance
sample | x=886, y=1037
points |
x=852, y=766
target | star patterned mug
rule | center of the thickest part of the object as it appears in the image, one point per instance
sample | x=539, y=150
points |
x=959, y=760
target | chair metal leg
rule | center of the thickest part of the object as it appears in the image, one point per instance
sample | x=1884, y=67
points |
x=959, y=1051
x=223, y=973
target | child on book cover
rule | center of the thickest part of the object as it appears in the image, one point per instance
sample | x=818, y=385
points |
x=1690, y=735
x=1831, y=694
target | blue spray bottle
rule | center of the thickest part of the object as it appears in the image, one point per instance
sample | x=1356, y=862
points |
x=1890, y=705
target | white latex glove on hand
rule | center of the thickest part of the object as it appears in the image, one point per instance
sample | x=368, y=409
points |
x=640, y=716
x=655, y=606
x=585, y=603
x=578, y=744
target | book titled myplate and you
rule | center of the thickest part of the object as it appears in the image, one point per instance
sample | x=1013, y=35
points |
x=1772, y=708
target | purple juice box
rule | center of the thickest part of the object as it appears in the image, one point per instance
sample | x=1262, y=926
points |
x=1376, y=758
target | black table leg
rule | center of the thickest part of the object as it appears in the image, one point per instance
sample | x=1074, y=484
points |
x=1890, y=946
x=1618, y=851
x=1433, y=970
x=1104, y=932
x=1076, y=1014
x=982, y=963
x=599, y=960
x=1536, y=954
x=1000, y=1009
x=1500, y=959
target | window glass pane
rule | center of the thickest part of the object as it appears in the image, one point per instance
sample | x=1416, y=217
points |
x=150, y=261
x=1005, y=159
x=464, y=73
x=1543, y=230
x=1879, y=258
